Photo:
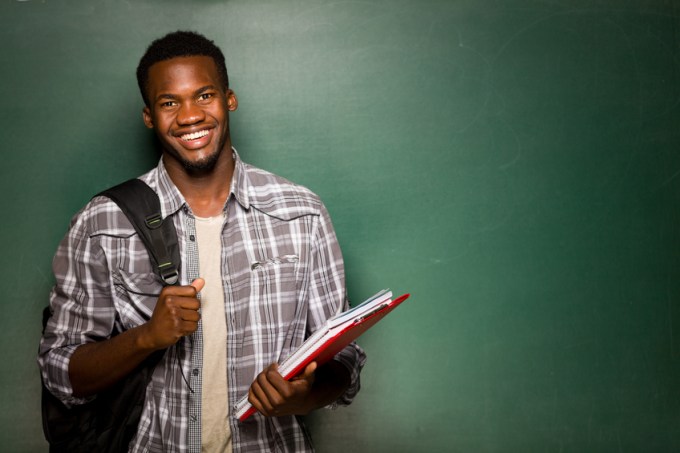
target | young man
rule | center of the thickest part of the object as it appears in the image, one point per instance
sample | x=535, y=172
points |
x=261, y=270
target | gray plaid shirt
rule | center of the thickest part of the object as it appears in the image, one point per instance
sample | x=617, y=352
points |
x=283, y=276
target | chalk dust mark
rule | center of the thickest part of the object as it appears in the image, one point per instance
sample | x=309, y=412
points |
x=669, y=300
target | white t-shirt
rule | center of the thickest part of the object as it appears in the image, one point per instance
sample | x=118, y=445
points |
x=215, y=432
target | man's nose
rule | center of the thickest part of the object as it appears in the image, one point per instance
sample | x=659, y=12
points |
x=189, y=113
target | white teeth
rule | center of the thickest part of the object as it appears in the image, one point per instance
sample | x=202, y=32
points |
x=194, y=135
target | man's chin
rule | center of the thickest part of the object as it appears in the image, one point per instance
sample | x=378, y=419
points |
x=200, y=166
x=203, y=165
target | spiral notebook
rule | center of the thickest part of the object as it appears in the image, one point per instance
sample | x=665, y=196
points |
x=326, y=342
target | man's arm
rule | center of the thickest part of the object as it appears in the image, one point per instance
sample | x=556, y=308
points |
x=96, y=366
x=338, y=379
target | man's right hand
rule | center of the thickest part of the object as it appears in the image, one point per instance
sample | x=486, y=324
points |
x=175, y=315
x=97, y=365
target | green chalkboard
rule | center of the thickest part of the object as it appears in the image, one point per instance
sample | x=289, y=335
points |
x=515, y=165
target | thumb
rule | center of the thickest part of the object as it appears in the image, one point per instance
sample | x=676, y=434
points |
x=198, y=284
x=308, y=373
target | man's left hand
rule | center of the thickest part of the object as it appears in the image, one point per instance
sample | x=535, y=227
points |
x=273, y=396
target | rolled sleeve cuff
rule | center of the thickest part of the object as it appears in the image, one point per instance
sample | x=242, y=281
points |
x=353, y=358
x=54, y=372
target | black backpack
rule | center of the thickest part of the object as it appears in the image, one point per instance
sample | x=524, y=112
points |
x=108, y=423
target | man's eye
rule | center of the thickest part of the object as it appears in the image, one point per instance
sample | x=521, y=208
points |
x=168, y=104
x=205, y=96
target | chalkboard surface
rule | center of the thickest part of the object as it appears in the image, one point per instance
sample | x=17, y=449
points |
x=514, y=165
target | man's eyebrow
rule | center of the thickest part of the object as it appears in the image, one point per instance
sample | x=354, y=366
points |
x=174, y=97
x=206, y=88
x=165, y=96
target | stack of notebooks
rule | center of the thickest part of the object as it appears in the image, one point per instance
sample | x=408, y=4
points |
x=325, y=343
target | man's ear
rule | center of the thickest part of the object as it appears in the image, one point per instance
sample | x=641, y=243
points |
x=232, y=101
x=146, y=116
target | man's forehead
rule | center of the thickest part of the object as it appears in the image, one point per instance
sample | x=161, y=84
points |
x=182, y=71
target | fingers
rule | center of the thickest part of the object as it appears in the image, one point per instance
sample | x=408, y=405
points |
x=263, y=394
x=184, y=304
x=189, y=315
x=272, y=395
x=272, y=383
x=176, y=314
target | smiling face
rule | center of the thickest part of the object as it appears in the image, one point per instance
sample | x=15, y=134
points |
x=188, y=109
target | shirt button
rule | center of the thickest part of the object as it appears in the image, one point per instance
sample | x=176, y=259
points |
x=195, y=371
x=192, y=238
x=193, y=418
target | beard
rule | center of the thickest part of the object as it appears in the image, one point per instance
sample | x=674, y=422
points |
x=202, y=166
x=198, y=167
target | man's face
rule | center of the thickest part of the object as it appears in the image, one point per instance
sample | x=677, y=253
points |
x=188, y=109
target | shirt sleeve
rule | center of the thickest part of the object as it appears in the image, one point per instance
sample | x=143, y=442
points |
x=81, y=306
x=328, y=297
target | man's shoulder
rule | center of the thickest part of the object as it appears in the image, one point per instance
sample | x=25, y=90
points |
x=102, y=216
x=278, y=196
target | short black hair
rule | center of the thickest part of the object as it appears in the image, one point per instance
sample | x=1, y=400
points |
x=179, y=44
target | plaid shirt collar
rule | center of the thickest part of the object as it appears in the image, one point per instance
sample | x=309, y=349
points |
x=172, y=199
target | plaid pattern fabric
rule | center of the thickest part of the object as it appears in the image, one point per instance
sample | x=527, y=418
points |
x=283, y=276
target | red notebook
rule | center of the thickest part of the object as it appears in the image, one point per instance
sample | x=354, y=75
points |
x=325, y=343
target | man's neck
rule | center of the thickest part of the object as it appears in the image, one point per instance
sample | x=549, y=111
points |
x=205, y=192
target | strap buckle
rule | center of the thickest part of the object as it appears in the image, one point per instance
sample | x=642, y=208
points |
x=154, y=221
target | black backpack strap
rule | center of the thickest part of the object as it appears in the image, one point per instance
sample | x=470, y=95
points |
x=141, y=205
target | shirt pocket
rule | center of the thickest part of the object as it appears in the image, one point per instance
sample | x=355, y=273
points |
x=274, y=290
x=136, y=296
x=275, y=277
